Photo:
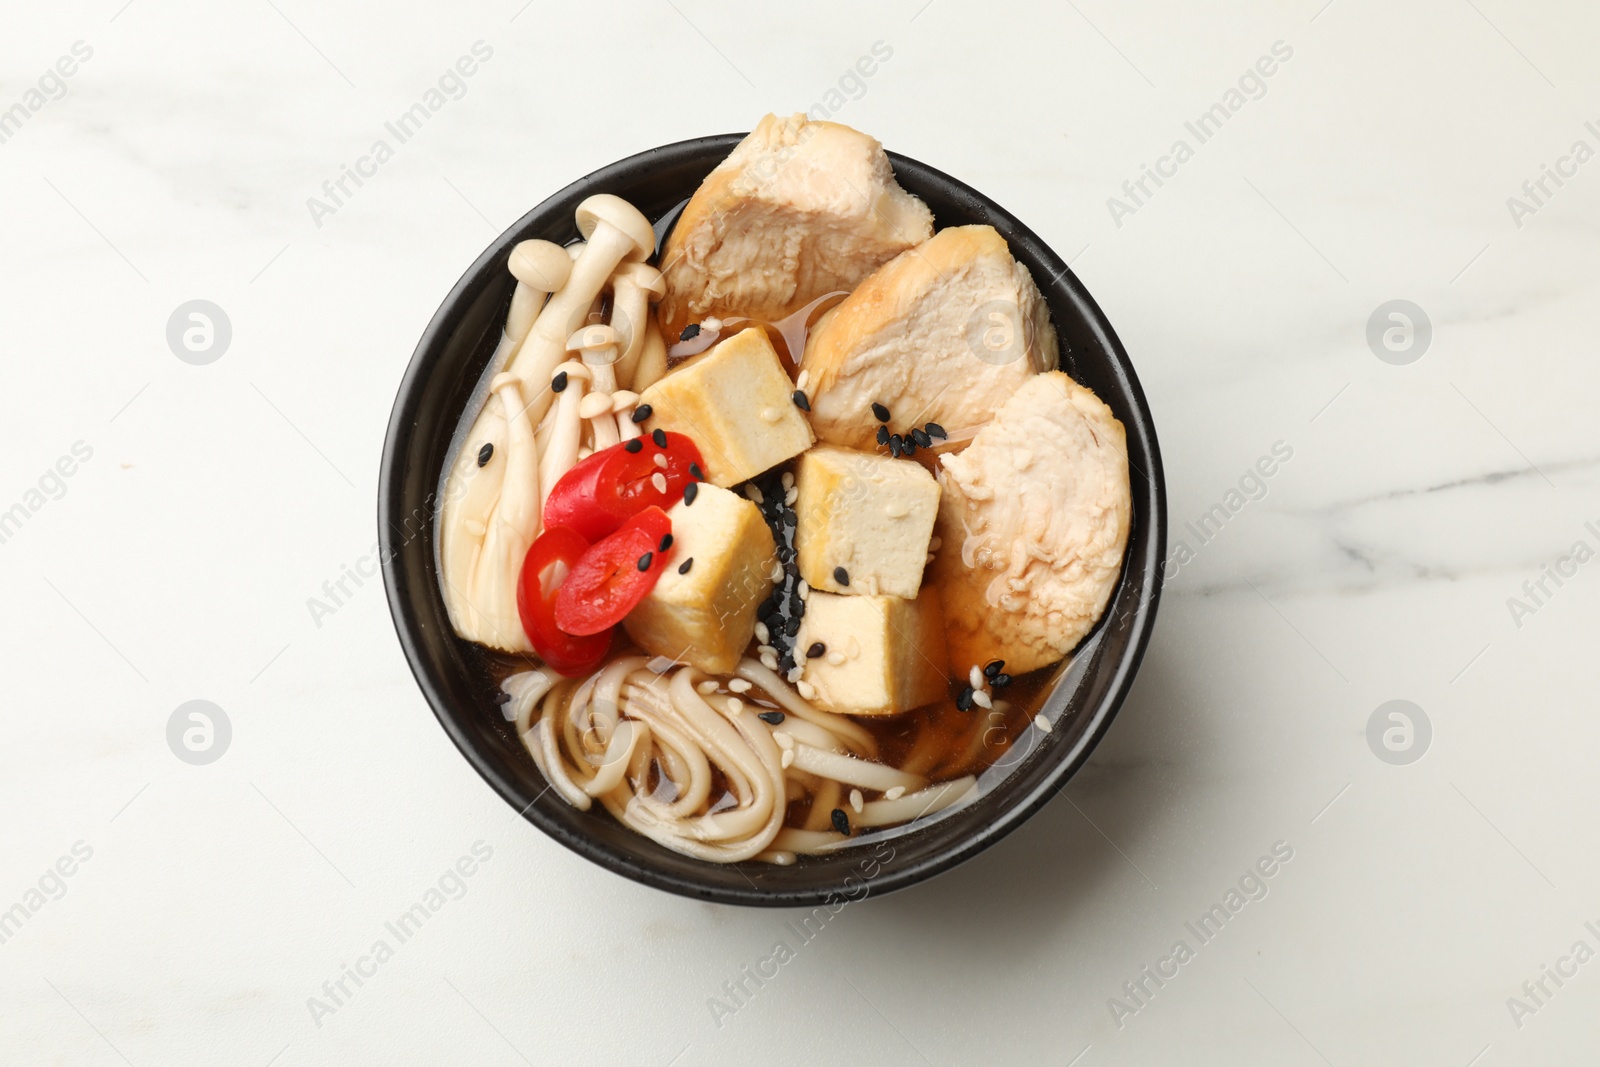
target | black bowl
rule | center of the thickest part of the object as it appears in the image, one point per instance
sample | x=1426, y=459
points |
x=448, y=361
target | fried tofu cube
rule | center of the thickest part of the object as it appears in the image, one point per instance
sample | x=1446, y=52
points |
x=702, y=611
x=865, y=518
x=737, y=403
x=880, y=655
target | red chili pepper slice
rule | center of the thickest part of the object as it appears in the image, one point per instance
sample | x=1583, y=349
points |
x=545, y=571
x=614, y=575
x=611, y=486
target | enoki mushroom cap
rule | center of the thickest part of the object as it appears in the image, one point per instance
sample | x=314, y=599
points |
x=641, y=276
x=541, y=265
x=598, y=343
x=621, y=215
x=575, y=371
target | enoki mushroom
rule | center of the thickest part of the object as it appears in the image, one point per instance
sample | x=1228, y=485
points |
x=680, y=757
x=538, y=412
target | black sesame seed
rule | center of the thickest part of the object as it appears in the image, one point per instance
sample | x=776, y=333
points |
x=817, y=649
x=994, y=667
x=894, y=445
x=634, y=445
x=696, y=473
x=771, y=718
x=559, y=382
x=666, y=543
x=880, y=412
x=841, y=576
x=659, y=436
x=788, y=518
x=644, y=560
x=683, y=568
x=691, y=491
x=964, y=699
x=800, y=401
x=1001, y=680
x=908, y=447
x=935, y=430
x=922, y=439
x=792, y=627
x=841, y=821
x=883, y=435
x=690, y=332
x=642, y=412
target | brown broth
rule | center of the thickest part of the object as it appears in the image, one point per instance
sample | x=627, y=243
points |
x=788, y=334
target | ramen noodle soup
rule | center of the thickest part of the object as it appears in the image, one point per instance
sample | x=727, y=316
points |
x=778, y=536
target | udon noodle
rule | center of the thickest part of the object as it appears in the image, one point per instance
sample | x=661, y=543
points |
x=709, y=766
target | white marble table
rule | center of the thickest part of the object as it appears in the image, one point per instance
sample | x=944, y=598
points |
x=208, y=505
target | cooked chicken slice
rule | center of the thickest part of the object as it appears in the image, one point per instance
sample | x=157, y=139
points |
x=944, y=332
x=1034, y=516
x=798, y=210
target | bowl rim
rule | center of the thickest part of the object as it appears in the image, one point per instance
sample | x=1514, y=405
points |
x=1150, y=506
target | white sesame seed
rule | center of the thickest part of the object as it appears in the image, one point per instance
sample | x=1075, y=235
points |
x=975, y=677
x=787, y=480
x=762, y=650
x=857, y=801
x=794, y=673
x=928, y=560
x=803, y=380
x=770, y=415
x=769, y=661
x=896, y=793
x=790, y=495
x=788, y=758
x=707, y=686
x=802, y=589
x=935, y=544
x=735, y=705
x=1041, y=723
x=777, y=572
x=661, y=460
x=751, y=492
x=784, y=738
x=739, y=685
x=659, y=480
x=807, y=690
x=980, y=698
x=896, y=509
x=835, y=659
x=762, y=633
